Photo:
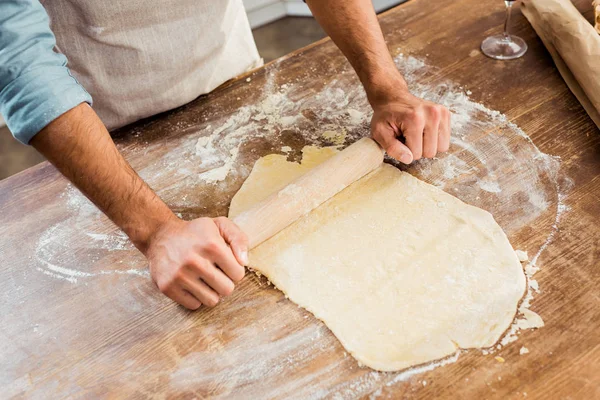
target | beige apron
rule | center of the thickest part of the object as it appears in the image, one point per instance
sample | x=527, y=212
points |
x=140, y=57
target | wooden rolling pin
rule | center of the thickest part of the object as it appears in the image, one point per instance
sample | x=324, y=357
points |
x=306, y=193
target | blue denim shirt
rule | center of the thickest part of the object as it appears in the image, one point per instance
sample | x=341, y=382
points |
x=36, y=86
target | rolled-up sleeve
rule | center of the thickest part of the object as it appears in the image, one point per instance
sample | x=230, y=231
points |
x=36, y=86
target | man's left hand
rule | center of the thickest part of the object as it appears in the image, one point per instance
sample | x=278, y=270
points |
x=424, y=126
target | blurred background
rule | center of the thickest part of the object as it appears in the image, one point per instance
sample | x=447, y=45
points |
x=279, y=27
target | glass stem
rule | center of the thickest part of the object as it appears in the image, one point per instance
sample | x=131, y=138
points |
x=507, y=20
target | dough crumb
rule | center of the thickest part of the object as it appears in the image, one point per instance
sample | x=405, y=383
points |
x=286, y=149
x=524, y=350
x=522, y=255
x=336, y=137
x=530, y=270
x=248, y=79
x=356, y=116
x=534, y=285
x=531, y=320
x=424, y=383
x=499, y=359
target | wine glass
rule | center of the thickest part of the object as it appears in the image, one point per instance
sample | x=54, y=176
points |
x=504, y=46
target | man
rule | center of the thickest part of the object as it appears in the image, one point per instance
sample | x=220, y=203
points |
x=136, y=59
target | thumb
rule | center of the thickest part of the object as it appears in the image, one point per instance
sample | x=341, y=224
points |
x=234, y=237
x=384, y=135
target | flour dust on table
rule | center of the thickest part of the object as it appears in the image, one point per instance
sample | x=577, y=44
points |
x=400, y=271
x=492, y=164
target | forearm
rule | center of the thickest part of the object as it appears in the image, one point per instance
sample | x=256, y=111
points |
x=79, y=146
x=353, y=26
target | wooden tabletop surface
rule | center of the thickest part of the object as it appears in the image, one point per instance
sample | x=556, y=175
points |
x=80, y=317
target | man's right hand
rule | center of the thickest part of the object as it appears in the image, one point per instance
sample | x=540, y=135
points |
x=191, y=262
x=196, y=262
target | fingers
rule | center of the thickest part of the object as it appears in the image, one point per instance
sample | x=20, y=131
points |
x=234, y=237
x=200, y=282
x=412, y=129
x=227, y=262
x=194, y=263
x=173, y=290
x=185, y=298
x=431, y=132
x=426, y=130
x=444, y=132
x=424, y=125
x=202, y=269
x=385, y=136
x=200, y=290
x=215, y=235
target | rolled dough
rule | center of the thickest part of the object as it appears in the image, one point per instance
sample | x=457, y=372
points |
x=400, y=271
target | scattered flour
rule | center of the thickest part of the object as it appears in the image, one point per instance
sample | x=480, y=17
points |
x=57, y=244
x=488, y=140
x=356, y=117
x=522, y=255
x=220, y=173
x=483, y=140
x=405, y=375
x=490, y=186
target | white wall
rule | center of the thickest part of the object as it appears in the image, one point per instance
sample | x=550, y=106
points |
x=261, y=12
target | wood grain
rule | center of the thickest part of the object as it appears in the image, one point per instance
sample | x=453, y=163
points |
x=79, y=319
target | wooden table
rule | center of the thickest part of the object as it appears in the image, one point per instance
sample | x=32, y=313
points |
x=79, y=316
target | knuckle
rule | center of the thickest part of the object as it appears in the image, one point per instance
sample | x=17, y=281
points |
x=436, y=111
x=167, y=285
x=208, y=273
x=212, y=246
x=242, y=239
x=418, y=116
x=228, y=289
x=189, y=259
x=178, y=276
x=211, y=301
x=433, y=112
x=221, y=220
x=201, y=222
x=163, y=286
x=377, y=135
